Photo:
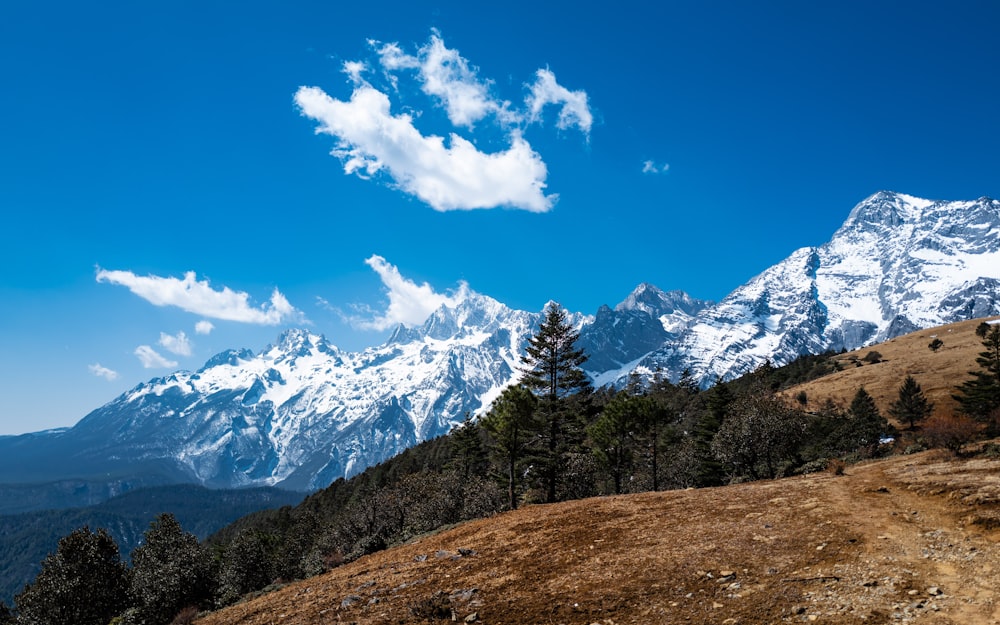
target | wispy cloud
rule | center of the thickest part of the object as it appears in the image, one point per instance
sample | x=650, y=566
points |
x=178, y=344
x=448, y=77
x=151, y=359
x=574, y=109
x=410, y=303
x=650, y=167
x=204, y=327
x=199, y=297
x=103, y=372
x=447, y=173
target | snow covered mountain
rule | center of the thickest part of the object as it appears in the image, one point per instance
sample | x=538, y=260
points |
x=302, y=413
x=898, y=264
x=299, y=414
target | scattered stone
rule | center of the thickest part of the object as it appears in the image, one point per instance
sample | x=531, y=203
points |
x=934, y=591
x=913, y=593
x=716, y=605
x=472, y=618
x=349, y=601
x=726, y=573
x=441, y=553
x=420, y=558
x=799, y=609
x=465, y=553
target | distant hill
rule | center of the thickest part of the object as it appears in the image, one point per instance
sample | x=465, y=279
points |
x=25, y=539
x=939, y=371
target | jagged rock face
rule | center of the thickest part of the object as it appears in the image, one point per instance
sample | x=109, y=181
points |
x=897, y=264
x=302, y=413
x=646, y=320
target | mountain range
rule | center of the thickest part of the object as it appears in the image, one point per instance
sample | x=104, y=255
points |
x=301, y=412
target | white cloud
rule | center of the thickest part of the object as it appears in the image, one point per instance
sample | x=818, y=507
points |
x=354, y=69
x=453, y=177
x=650, y=167
x=198, y=297
x=448, y=173
x=151, y=359
x=103, y=372
x=204, y=327
x=409, y=303
x=447, y=75
x=575, y=110
x=179, y=344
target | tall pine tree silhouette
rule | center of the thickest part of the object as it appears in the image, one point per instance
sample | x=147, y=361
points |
x=552, y=371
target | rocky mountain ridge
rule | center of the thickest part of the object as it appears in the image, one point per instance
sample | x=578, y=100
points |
x=302, y=412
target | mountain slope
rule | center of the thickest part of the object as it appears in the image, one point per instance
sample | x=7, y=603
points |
x=25, y=539
x=299, y=414
x=897, y=264
x=302, y=413
x=887, y=542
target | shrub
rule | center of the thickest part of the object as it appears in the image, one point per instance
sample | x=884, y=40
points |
x=836, y=466
x=950, y=431
x=872, y=357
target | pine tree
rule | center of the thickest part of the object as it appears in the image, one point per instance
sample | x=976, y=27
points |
x=863, y=428
x=511, y=424
x=171, y=571
x=911, y=406
x=612, y=435
x=84, y=582
x=979, y=397
x=245, y=566
x=467, y=445
x=552, y=370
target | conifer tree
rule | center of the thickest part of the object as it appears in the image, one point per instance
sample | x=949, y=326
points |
x=245, y=566
x=511, y=424
x=612, y=435
x=467, y=445
x=84, y=583
x=552, y=370
x=979, y=397
x=171, y=571
x=911, y=406
x=863, y=428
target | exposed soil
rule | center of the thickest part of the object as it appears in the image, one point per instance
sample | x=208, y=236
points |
x=911, y=539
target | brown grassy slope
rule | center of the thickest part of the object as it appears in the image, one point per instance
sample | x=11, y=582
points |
x=939, y=373
x=907, y=539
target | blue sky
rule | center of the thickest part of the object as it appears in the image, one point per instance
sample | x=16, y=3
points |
x=185, y=177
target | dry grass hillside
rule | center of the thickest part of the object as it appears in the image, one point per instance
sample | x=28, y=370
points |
x=938, y=372
x=910, y=539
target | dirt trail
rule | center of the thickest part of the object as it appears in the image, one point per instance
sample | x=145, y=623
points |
x=905, y=540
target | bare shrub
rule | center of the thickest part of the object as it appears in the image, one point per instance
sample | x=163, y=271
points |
x=836, y=466
x=950, y=431
x=185, y=616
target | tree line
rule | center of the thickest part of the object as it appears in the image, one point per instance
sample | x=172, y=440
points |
x=551, y=437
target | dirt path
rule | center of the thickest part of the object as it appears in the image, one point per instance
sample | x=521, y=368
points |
x=897, y=541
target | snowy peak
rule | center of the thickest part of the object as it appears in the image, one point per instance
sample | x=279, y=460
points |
x=656, y=303
x=898, y=263
x=888, y=209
